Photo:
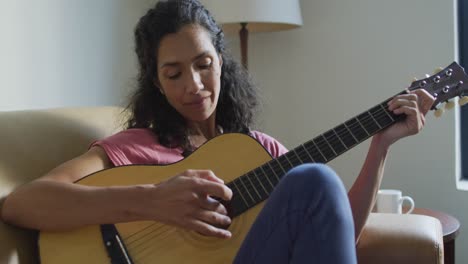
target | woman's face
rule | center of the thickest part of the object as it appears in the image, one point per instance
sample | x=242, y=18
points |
x=189, y=71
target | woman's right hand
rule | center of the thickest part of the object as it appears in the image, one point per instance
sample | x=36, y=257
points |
x=185, y=200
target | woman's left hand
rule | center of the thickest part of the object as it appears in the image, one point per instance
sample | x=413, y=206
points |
x=415, y=106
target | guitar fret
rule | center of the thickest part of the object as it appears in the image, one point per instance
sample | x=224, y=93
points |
x=372, y=116
x=386, y=118
x=335, y=143
x=370, y=126
x=255, y=189
x=302, y=153
x=307, y=152
x=286, y=157
x=279, y=164
x=325, y=148
x=268, y=178
x=294, y=156
x=385, y=111
x=300, y=160
x=246, y=189
x=362, y=126
x=261, y=184
x=381, y=117
x=326, y=141
x=351, y=132
x=238, y=191
x=346, y=136
x=334, y=131
x=358, y=130
x=319, y=151
x=314, y=152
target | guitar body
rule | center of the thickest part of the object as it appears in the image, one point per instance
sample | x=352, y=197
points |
x=228, y=156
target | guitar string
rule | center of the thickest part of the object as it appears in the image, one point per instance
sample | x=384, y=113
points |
x=138, y=236
x=151, y=230
x=333, y=143
x=129, y=238
x=360, y=122
x=368, y=117
x=151, y=248
x=140, y=255
x=380, y=115
x=134, y=247
x=137, y=251
x=341, y=134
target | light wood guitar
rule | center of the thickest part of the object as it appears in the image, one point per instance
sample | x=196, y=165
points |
x=248, y=170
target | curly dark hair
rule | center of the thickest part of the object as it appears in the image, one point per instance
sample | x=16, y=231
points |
x=238, y=99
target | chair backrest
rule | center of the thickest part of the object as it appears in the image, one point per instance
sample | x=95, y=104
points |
x=33, y=142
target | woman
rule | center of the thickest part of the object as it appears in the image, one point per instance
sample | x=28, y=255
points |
x=189, y=91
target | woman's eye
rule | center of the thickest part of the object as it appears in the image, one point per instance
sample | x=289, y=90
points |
x=205, y=65
x=174, y=76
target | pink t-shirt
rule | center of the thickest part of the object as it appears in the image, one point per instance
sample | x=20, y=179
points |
x=140, y=146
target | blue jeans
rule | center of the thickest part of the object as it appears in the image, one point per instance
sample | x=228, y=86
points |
x=307, y=219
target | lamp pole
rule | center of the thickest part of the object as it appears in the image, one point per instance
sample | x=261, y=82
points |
x=244, y=36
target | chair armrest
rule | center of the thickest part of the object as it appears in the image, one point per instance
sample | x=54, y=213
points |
x=406, y=238
x=18, y=246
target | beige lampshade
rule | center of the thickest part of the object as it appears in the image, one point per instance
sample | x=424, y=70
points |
x=260, y=15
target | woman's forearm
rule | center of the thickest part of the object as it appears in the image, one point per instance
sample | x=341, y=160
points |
x=362, y=193
x=52, y=206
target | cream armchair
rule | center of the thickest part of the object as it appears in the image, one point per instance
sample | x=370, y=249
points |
x=34, y=142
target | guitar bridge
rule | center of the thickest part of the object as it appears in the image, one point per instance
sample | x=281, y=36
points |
x=115, y=247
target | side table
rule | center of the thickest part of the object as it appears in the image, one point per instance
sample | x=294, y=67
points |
x=450, y=230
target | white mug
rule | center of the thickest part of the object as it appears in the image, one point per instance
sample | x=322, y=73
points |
x=390, y=201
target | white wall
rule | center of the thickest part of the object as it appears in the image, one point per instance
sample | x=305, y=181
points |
x=65, y=52
x=348, y=57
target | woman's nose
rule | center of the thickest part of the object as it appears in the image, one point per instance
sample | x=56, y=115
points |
x=194, y=83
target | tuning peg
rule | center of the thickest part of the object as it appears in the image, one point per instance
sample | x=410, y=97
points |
x=463, y=100
x=449, y=105
x=427, y=75
x=438, y=112
x=438, y=69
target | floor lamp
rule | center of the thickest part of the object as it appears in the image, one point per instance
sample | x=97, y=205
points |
x=246, y=16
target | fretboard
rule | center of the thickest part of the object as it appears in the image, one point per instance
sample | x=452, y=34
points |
x=257, y=185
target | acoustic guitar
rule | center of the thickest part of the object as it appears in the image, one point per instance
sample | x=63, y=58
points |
x=249, y=171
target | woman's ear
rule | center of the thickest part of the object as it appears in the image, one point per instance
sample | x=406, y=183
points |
x=220, y=60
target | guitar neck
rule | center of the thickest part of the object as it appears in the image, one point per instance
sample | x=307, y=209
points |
x=257, y=185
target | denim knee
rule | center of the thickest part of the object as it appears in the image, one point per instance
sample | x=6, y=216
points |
x=316, y=185
x=314, y=177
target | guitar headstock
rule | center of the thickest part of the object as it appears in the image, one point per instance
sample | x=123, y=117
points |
x=444, y=85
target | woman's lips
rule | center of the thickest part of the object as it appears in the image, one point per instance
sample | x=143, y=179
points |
x=197, y=103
